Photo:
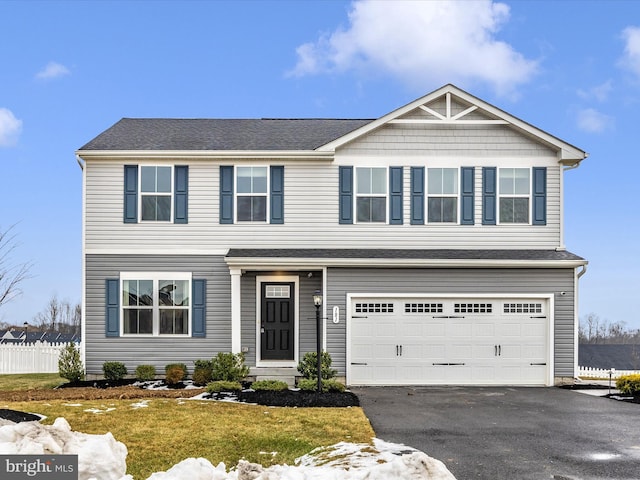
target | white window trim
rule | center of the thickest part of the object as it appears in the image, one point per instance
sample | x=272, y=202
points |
x=236, y=195
x=515, y=195
x=371, y=195
x=156, y=277
x=443, y=195
x=164, y=194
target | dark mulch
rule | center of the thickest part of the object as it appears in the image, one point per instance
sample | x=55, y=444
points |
x=299, y=398
x=17, y=417
x=623, y=398
x=118, y=383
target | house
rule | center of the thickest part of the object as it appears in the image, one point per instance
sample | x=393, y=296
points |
x=20, y=336
x=435, y=234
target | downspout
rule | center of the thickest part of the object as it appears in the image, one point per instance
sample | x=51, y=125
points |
x=83, y=322
x=576, y=343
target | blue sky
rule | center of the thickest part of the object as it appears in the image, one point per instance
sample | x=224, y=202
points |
x=69, y=70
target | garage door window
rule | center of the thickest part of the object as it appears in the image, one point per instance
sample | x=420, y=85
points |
x=522, y=308
x=473, y=308
x=422, y=308
x=374, y=307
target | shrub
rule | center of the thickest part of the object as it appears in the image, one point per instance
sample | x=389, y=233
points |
x=329, y=385
x=270, y=385
x=114, y=370
x=223, y=386
x=629, y=384
x=70, y=364
x=145, y=373
x=202, y=372
x=308, y=366
x=175, y=373
x=229, y=367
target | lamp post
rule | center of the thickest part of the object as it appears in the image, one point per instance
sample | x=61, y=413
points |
x=26, y=326
x=317, y=301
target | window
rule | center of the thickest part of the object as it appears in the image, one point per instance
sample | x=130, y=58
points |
x=374, y=308
x=252, y=188
x=371, y=194
x=155, y=304
x=442, y=203
x=156, y=193
x=514, y=186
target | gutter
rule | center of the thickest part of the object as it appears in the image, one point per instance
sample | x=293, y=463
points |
x=207, y=154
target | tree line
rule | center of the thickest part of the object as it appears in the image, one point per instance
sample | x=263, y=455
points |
x=594, y=330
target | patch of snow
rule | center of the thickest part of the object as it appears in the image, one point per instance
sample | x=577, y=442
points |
x=98, y=411
x=72, y=404
x=140, y=404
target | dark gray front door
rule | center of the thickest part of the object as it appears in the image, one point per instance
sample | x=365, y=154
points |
x=277, y=322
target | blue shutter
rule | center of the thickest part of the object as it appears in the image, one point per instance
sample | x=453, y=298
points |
x=346, y=194
x=112, y=301
x=466, y=196
x=489, y=195
x=277, y=194
x=198, y=308
x=417, y=195
x=539, y=196
x=181, y=194
x=130, y=194
x=395, y=195
x=226, y=194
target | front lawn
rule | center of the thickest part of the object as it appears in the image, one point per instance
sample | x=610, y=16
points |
x=29, y=381
x=160, y=432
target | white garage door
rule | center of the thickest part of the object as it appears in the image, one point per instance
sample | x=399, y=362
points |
x=448, y=341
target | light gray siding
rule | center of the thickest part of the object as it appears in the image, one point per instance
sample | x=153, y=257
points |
x=157, y=351
x=341, y=281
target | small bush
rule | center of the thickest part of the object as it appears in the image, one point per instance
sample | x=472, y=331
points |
x=629, y=384
x=223, y=386
x=145, y=373
x=229, y=367
x=308, y=366
x=70, y=364
x=311, y=385
x=175, y=373
x=270, y=385
x=114, y=370
x=202, y=372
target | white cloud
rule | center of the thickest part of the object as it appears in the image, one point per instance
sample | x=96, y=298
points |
x=440, y=41
x=10, y=128
x=593, y=121
x=52, y=70
x=599, y=92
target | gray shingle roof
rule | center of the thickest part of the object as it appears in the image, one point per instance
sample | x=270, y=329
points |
x=222, y=134
x=620, y=357
x=430, y=254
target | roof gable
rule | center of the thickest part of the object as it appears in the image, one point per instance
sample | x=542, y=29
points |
x=450, y=105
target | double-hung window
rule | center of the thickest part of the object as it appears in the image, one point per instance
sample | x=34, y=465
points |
x=252, y=194
x=156, y=193
x=155, y=303
x=371, y=194
x=514, y=188
x=442, y=191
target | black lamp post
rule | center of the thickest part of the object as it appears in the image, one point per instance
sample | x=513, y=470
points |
x=317, y=301
x=26, y=327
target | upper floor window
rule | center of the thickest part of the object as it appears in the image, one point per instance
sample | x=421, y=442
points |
x=155, y=304
x=251, y=196
x=155, y=193
x=371, y=194
x=514, y=188
x=442, y=191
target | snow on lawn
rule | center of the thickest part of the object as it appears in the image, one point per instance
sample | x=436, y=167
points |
x=102, y=457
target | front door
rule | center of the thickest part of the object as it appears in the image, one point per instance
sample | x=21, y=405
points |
x=277, y=321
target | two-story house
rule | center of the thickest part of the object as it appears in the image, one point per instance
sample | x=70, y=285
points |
x=435, y=234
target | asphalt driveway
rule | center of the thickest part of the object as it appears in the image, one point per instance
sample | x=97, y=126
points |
x=500, y=433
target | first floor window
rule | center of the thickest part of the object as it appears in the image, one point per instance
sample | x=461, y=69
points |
x=155, y=304
x=252, y=194
x=156, y=193
x=371, y=194
x=514, y=187
x=442, y=203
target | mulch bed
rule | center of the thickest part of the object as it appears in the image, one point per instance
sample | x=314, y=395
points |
x=17, y=417
x=299, y=398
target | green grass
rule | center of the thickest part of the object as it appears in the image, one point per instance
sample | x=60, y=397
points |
x=29, y=381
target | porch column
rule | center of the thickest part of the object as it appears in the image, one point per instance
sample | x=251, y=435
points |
x=236, y=324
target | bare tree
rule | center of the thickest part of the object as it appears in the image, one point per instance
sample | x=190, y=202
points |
x=594, y=330
x=11, y=274
x=60, y=316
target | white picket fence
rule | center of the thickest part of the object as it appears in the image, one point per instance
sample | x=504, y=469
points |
x=38, y=357
x=586, y=372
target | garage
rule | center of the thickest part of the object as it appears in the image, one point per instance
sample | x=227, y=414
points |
x=448, y=340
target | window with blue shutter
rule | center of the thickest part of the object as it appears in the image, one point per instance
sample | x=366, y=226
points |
x=489, y=190
x=417, y=195
x=277, y=194
x=130, y=194
x=198, y=308
x=346, y=194
x=112, y=301
x=181, y=194
x=539, y=196
x=467, y=196
x=395, y=195
x=226, y=194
